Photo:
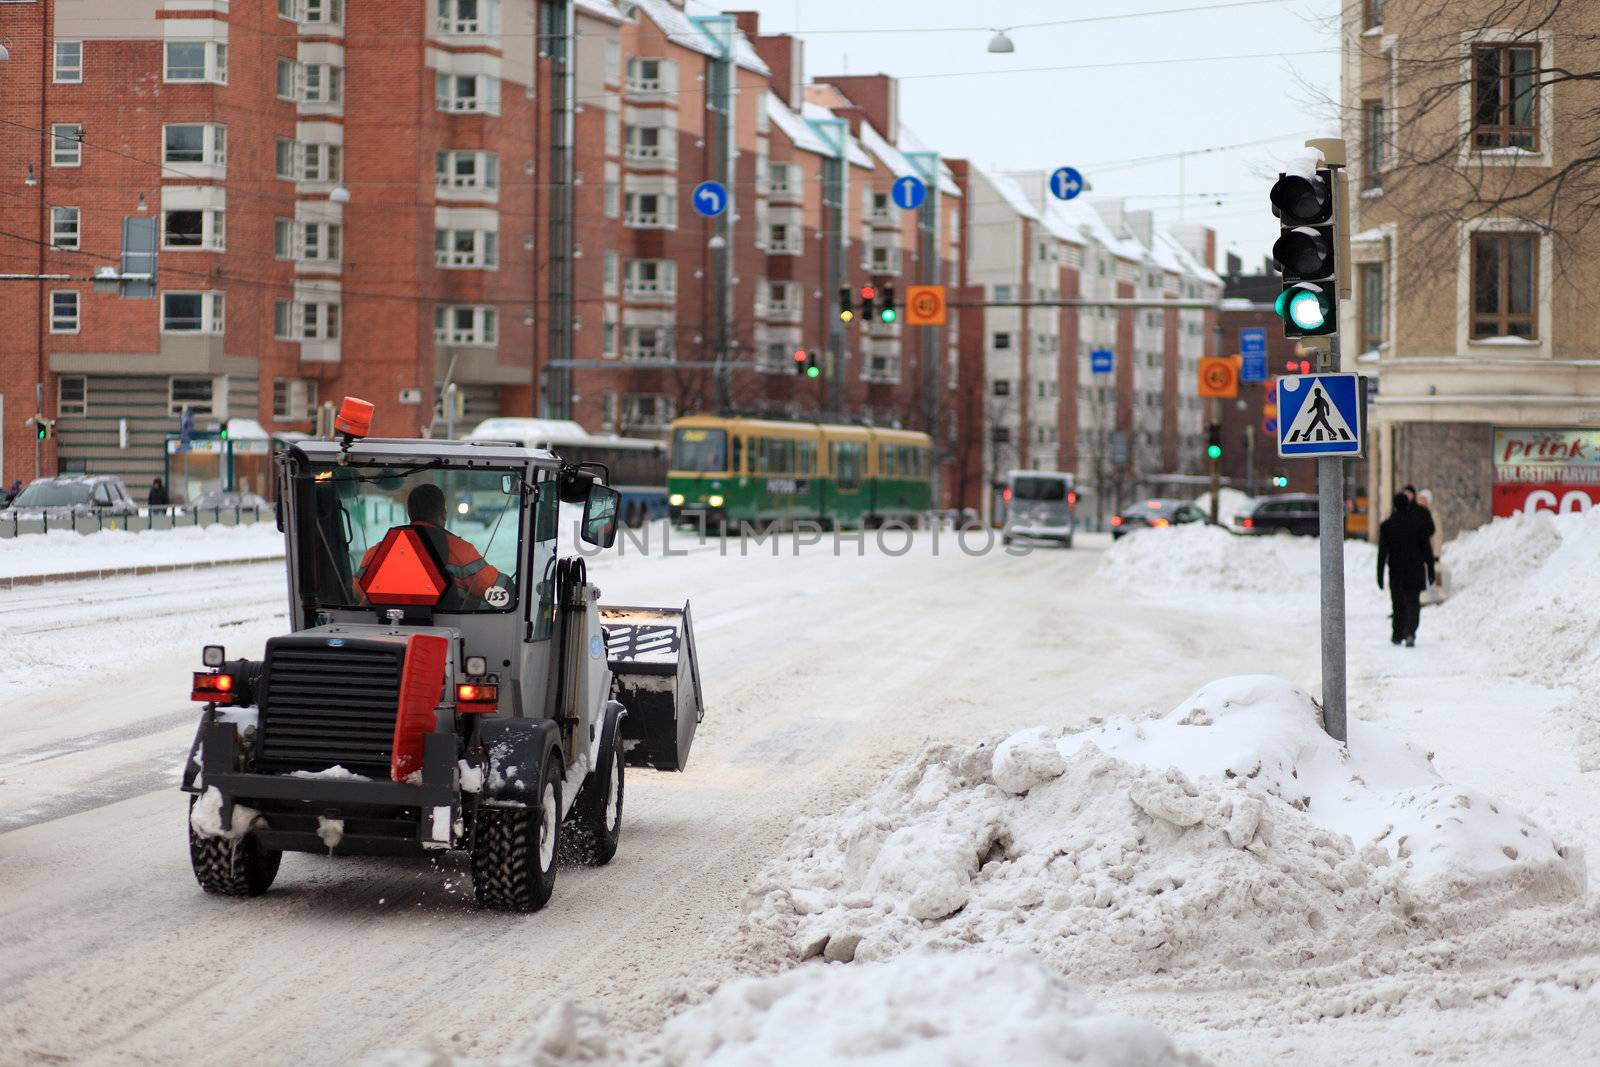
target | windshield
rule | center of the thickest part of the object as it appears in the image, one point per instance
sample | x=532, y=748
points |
x=52, y=495
x=700, y=450
x=472, y=520
x=1039, y=489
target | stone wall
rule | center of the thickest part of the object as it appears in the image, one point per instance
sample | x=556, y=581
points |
x=1454, y=459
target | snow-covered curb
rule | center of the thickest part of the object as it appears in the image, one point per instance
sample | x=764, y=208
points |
x=65, y=552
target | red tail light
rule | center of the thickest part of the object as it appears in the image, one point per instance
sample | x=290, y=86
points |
x=212, y=688
x=1116, y=520
x=1160, y=522
x=476, y=698
x=1248, y=523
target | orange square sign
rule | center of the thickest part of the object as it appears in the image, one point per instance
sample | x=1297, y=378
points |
x=925, y=305
x=1219, y=377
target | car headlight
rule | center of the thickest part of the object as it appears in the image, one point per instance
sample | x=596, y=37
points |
x=714, y=500
x=676, y=500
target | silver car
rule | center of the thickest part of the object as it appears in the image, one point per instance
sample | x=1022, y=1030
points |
x=1040, y=505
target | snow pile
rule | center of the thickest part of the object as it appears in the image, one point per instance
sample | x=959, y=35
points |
x=64, y=552
x=1230, y=503
x=1230, y=834
x=1202, y=559
x=920, y=1010
x=1528, y=588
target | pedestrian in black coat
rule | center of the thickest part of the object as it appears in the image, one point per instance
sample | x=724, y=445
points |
x=1403, y=546
x=158, y=494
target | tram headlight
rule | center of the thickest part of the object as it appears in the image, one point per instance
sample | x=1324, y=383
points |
x=714, y=500
x=676, y=500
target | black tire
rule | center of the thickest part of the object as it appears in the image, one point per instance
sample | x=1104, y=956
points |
x=239, y=868
x=593, y=828
x=514, y=849
x=1066, y=542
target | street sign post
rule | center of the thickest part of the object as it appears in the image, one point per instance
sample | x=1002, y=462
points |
x=908, y=193
x=1321, y=415
x=1101, y=361
x=1253, y=354
x=926, y=305
x=1065, y=183
x=1219, y=378
x=710, y=198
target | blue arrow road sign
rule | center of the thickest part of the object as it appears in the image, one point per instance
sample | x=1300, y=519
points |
x=1320, y=415
x=1253, y=353
x=909, y=193
x=1065, y=183
x=1100, y=361
x=710, y=199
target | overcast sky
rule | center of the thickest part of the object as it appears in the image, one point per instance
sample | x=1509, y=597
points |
x=1004, y=113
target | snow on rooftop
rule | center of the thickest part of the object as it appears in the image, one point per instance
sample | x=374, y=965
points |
x=908, y=141
x=681, y=29
x=1011, y=192
x=1094, y=226
x=853, y=151
x=603, y=9
x=891, y=156
x=797, y=129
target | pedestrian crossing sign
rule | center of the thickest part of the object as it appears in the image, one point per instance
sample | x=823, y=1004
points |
x=1321, y=415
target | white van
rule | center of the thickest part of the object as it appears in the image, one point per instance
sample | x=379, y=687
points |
x=1041, y=505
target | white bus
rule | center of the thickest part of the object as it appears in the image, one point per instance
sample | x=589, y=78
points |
x=637, y=465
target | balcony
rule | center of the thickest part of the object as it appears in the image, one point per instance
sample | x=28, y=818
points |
x=649, y=293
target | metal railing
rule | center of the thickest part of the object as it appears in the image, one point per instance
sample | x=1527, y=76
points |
x=168, y=518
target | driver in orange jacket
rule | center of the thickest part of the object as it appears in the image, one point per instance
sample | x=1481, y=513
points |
x=469, y=573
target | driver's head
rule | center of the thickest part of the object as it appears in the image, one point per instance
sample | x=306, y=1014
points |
x=426, y=504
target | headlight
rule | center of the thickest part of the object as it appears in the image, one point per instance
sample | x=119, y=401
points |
x=714, y=500
x=676, y=500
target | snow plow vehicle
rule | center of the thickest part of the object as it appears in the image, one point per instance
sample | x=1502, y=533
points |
x=449, y=680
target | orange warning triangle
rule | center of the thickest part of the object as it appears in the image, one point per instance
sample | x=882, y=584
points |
x=403, y=572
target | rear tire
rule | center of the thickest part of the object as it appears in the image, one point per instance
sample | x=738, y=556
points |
x=514, y=849
x=593, y=828
x=227, y=868
x=1066, y=542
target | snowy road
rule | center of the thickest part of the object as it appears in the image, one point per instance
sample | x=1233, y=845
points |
x=820, y=671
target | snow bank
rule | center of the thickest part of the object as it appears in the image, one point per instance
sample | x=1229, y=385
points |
x=1527, y=588
x=63, y=552
x=1230, y=502
x=1203, y=559
x=1230, y=834
x=920, y=1010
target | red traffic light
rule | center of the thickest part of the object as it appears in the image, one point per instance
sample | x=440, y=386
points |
x=869, y=292
x=799, y=355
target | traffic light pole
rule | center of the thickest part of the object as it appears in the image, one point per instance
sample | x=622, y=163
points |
x=1216, y=464
x=1330, y=537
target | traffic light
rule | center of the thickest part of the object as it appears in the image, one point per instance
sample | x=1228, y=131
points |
x=886, y=311
x=1214, y=441
x=846, y=305
x=1297, y=366
x=813, y=370
x=1280, y=481
x=868, y=295
x=44, y=428
x=1306, y=253
x=799, y=361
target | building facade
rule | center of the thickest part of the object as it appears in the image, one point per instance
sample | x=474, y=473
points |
x=1475, y=251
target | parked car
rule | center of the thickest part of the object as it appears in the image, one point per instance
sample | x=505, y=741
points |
x=228, y=501
x=67, y=496
x=1295, y=513
x=1155, y=513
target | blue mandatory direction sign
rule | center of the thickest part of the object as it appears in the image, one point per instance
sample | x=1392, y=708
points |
x=1101, y=361
x=909, y=193
x=1065, y=183
x=1252, y=355
x=1321, y=415
x=710, y=199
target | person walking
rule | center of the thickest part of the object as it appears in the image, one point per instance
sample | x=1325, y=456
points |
x=1403, y=547
x=158, y=494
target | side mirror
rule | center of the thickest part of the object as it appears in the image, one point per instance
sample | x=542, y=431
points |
x=575, y=485
x=600, y=515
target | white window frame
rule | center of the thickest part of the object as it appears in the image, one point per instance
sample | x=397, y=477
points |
x=453, y=23
x=320, y=12
x=320, y=83
x=70, y=72
x=483, y=255
x=213, y=145
x=664, y=217
x=62, y=321
x=283, y=238
x=289, y=79
x=661, y=403
x=658, y=351
x=613, y=272
x=76, y=407
x=317, y=242
x=664, y=151
x=447, y=176
x=466, y=325
x=68, y=135
x=317, y=320
x=638, y=80
x=176, y=404
x=791, y=243
x=319, y=161
x=211, y=321
x=213, y=230
x=650, y=280
x=613, y=61
x=483, y=100
x=66, y=231
x=787, y=187
x=293, y=399
x=214, y=63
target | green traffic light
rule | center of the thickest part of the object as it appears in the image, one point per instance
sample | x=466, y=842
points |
x=888, y=315
x=1213, y=451
x=813, y=372
x=1306, y=310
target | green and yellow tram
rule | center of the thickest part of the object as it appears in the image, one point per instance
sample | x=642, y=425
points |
x=727, y=471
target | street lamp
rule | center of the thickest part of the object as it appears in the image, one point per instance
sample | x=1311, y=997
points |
x=339, y=195
x=1001, y=43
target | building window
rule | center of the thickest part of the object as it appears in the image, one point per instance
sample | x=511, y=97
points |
x=195, y=143
x=64, y=311
x=1505, y=285
x=647, y=342
x=1372, y=293
x=647, y=410
x=649, y=144
x=466, y=170
x=1372, y=14
x=783, y=179
x=318, y=321
x=1003, y=292
x=1002, y=341
x=69, y=62
x=284, y=158
x=64, y=227
x=289, y=9
x=613, y=133
x=650, y=210
x=1505, y=93
x=650, y=279
x=466, y=326
x=72, y=395
x=471, y=93
x=192, y=393
x=613, y=61
x=612, y=195
x=651, y=75
x=612, y=272
x=191, y=313
x=319, y=241
x=469, y=16
x=784, y=239
x=193, y=228
x=322, y=83
x=67, y=145
x=283, y=238
x=197, y=61
x=293, y=399
x=288, y=80
x=320, y=162
x=322, y=12
x=466, y=249
x=1372, y=145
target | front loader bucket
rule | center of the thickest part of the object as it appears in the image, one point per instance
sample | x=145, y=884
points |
x=651, y=654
